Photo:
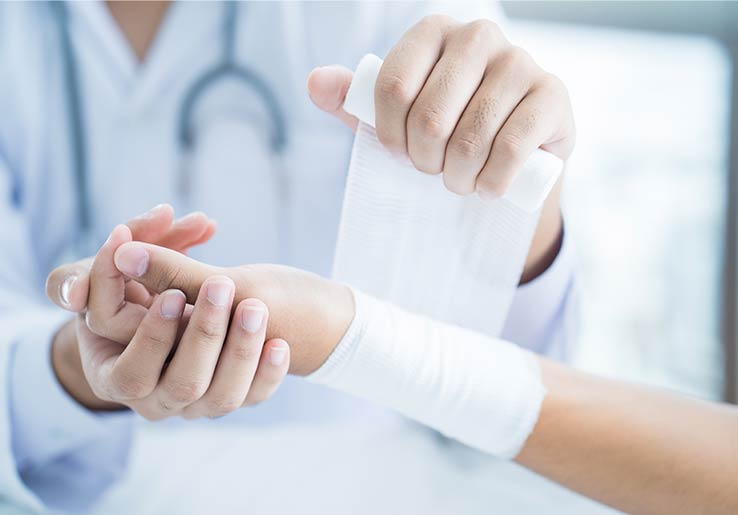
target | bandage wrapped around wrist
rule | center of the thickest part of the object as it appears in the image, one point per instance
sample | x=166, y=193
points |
x=479, y=390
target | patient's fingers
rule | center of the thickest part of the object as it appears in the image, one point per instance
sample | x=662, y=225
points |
x=190, y=371
x=67, y=285
x=273, y=367
x=109, y=314
x=237, y=363
x=161, y=269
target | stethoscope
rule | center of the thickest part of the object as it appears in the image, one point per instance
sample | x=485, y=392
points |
x=226, y=68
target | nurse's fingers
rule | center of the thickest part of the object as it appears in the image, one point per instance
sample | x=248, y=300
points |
x=189, y=374
x=159, y=227
x=67, y=286
x=136, y=372
x=444, y=97
x=210, y=230
x=153, y=224
x=273, y=367
x=237, y=363
x=109, y=314
x=502, y=89
x=534, y=123
x=161, y=269
x=402, y=76
x=327, y=87
x=184, y=232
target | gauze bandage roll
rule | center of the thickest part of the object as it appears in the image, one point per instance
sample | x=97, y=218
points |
x=441, y=270
x=404, y=238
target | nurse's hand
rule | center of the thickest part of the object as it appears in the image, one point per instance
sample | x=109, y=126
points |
x=170, y=358
x=460, y=99
x=68, y=285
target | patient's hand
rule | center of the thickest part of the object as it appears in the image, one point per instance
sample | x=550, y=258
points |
x=154, y=353
x=310, y=312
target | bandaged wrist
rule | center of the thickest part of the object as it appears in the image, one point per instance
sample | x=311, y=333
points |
x=483, y=391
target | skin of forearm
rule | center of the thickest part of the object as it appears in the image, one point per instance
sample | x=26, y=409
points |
x=67, y=366
x=547, y=239
x=640, y=450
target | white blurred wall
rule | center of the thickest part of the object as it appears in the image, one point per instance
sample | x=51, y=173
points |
x=645, y=197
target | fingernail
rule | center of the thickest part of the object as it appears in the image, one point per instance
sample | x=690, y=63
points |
x=219, y=292
x=172, y=304
x=277, y=355
x=65, y=289
x=251, y=318
x=132, y=260
x=488, y=195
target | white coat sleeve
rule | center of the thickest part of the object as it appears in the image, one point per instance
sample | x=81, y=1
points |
x=53, y=452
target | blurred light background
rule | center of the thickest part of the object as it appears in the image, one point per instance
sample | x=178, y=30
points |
x=647, y=198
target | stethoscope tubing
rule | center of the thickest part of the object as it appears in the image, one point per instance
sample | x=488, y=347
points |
x=227, y=67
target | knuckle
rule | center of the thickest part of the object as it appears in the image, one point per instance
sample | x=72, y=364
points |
x=469, y=146
x=128, y=385
x=516, y=58
x=155, y=342
x=552, y=82
x=220, y=406
x=393, y=89
x=245, y=352
x=183, y=391
x=430, y=124
x=509, y=145
x=482, y=32
x=209, y=330
x=435, y=21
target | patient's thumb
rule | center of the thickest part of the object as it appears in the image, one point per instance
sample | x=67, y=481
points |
x=327, y=87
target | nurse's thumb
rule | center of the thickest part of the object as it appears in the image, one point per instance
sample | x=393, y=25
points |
x=327, y=87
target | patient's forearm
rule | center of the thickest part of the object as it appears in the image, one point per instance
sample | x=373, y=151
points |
x=641, y=450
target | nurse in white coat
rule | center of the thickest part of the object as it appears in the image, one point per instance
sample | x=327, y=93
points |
x=54, y=452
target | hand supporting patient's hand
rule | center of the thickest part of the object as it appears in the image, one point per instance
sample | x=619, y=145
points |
x=216, y=366
x=148, y=352
x=310, y=312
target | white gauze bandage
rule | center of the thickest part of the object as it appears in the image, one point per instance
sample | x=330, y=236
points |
x=405, y=238
x=441, y=271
